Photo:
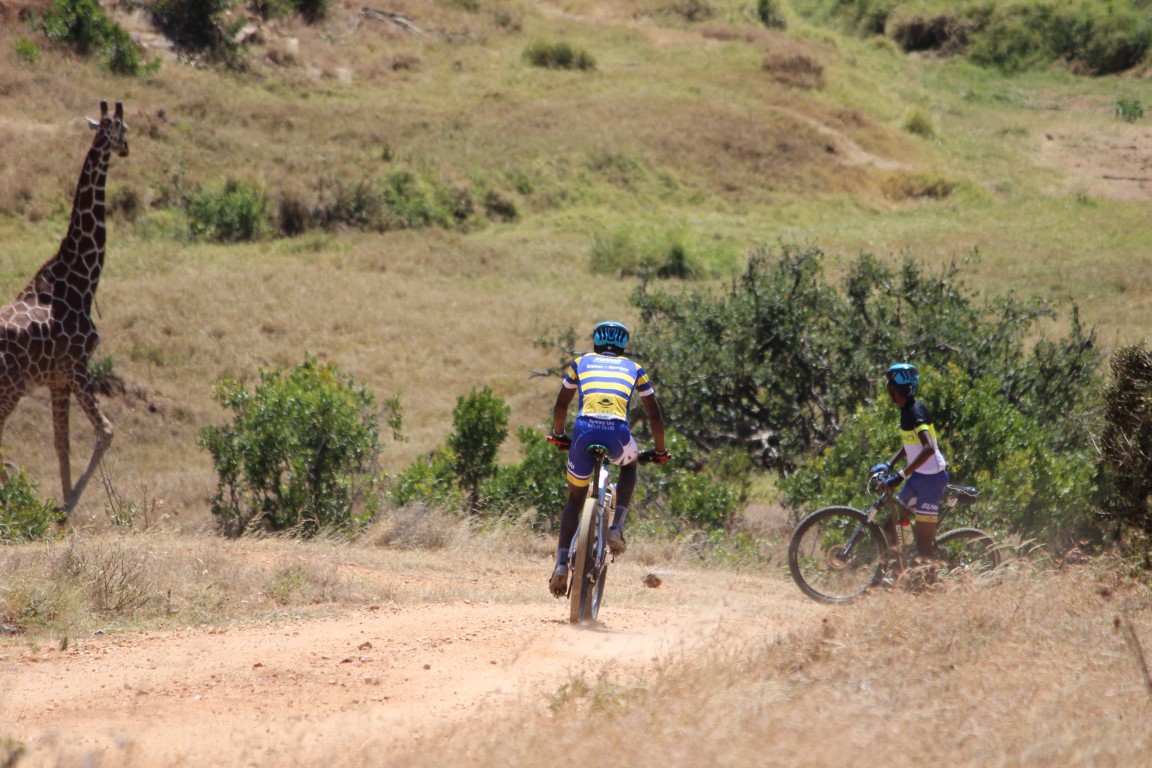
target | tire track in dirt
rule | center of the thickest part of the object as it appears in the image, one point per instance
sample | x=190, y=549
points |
x=301, y=692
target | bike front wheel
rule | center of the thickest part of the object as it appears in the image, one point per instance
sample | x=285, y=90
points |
x=967, y=551
x=583, y=562
x=835, y=554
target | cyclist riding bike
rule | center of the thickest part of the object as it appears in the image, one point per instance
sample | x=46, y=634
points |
x=605, y=382
x=925, y=472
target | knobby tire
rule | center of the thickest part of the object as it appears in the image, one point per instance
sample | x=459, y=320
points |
x=819, y=565
x=967, y=551
x=582, y=561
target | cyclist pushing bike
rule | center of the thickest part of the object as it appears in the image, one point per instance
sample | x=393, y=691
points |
x=925, y=472
x=605, y=381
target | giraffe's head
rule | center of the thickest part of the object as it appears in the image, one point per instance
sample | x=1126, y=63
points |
x=112, y=128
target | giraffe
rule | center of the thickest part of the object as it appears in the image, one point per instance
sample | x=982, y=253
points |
x=46, y=333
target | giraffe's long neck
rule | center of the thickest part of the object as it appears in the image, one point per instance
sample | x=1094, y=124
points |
x=75, y=271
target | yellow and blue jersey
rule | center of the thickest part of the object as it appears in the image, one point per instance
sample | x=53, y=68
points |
x=605, y=384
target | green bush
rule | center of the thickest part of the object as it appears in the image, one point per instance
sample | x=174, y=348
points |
x=430, y=480
x=778, y=361
x=771, y=14
x=84, y=25
x=26, y=50
x=193, y=24
x=1031, y=482
x=300, y=450
x=23, y=515
x=238, y=213
x=1129, y=110
x=1126, y=437
x=536, y=485
x=480, y=423
x=558, y=56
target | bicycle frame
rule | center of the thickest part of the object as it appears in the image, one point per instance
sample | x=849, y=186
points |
x=898, y=511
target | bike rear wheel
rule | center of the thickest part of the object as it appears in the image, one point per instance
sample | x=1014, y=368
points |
x=835, y=554
x=583, y=561
x=967, y=551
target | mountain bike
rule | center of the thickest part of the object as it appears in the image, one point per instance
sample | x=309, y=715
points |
x=838, y=553
x=588, y=554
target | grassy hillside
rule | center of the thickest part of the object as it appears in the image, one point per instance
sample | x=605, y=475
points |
x=707, y=129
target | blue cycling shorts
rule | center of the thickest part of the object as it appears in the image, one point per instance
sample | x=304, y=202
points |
x=614, y=434
x=922, y=494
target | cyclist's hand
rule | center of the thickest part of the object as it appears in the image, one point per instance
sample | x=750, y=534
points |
x=893, y=481
x=881, y=468
x=562, y=442
x=661, y=457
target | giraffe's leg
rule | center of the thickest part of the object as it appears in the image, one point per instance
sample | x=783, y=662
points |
x=82, y=388
x=60, y=404
x=11, y=390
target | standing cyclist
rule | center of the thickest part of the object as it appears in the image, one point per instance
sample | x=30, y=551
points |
x=605, y=381
x=925, y=471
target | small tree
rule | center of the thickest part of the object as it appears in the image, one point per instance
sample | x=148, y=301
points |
x=1126, y=440
x=481, y=425
x=300, y=451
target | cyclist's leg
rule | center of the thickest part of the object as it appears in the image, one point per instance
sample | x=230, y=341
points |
x=922, y=494
x=579, y=475
x=625, y=457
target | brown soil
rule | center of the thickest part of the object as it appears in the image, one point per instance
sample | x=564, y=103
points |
x=340, y=689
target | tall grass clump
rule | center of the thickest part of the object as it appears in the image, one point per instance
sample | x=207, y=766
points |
x=558, y=55
x=664, y=254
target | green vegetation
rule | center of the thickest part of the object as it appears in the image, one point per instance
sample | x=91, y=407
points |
x=1093, y=36
x=24, y=516
x=481, y=424
x=1126, y=441
x=300, y=451
x=558, y=55
x=83, y=25
x=239, y=212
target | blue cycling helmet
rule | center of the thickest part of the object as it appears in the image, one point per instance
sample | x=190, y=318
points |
x=610, y=336
x=904, y=376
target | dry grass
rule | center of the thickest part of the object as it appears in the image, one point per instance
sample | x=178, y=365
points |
x=1038, y=670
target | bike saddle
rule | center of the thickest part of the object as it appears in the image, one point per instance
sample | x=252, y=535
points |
x=595, y=450
x=965, y=494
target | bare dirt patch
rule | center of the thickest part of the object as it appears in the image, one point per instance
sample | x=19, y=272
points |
x=298, y=692
x=1112, y=161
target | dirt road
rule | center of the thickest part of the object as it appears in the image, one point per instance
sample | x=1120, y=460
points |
x=298, y=692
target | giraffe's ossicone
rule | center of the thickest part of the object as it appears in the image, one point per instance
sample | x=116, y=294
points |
x=47, y=335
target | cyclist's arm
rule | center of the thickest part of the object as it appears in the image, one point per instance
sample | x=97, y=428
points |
x=655, y=420
x=560, y=410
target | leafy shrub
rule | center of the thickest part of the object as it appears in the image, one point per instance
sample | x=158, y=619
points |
x=910, y=186
x=771, y=14
x=238, y=213
x=300, y=450
x=193, y=24
x=1031, y=481
x=558, y=56
x=23, y=515
x=779, y=361
x=26, y=50
x=1126, y=438
x=480, y=423
x=535, y=485
x=429, y=480
x=1129, y=110
x=84, y=25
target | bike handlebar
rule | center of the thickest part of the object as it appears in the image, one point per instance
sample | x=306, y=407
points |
x=563, y=443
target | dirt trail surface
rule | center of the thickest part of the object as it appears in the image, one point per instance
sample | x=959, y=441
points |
x=380, y=677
